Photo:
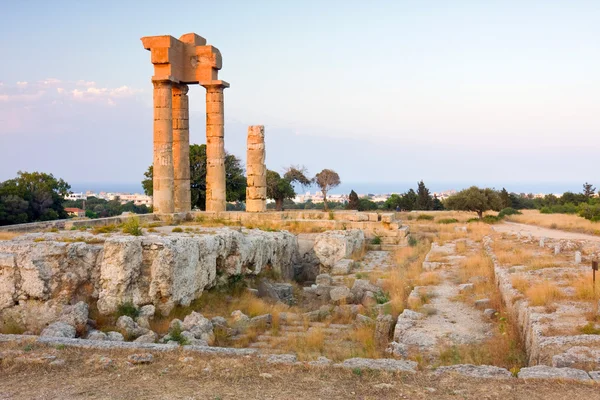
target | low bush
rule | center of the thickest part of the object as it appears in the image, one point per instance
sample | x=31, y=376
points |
x=132, y=226
x=491, y=219
x=508, y=211
x=448, y=221
x=412, y=241
x=425, y=217
x=177, y=230
x=376, y=240
x=382, y=297
x=129, y=309
x=175, y=334
x=470, y=220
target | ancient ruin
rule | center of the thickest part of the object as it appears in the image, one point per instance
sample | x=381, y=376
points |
x=256, y=191
x=177, y=64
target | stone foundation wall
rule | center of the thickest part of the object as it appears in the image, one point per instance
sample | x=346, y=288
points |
x=41, y=273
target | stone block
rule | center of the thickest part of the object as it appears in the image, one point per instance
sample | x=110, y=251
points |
x=253, y=192
x=387, y=217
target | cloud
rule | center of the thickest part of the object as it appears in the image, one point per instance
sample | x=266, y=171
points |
x=58, y=106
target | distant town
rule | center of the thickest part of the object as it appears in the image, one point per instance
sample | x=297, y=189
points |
x=316, y=197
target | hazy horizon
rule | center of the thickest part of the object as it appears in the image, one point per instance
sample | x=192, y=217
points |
x=381, y=91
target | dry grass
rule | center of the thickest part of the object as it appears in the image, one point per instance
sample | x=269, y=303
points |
x=543, y=293
x=226, y=377
x=565, y=222
x=405, y=274
x=429, y=278
x=520, y=283
x=461, y=247
x=476, y=265
x=584, y=289
x=9, y=235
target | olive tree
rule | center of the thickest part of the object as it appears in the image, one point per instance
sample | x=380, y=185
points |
x=475, y=199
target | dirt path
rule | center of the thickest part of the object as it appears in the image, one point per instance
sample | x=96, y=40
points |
x=444, y=320
x=539, y=232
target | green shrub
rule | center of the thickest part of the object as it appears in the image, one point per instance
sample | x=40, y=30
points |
x=490, y=219
x=589, y=211
x=381, y=297
x=470, y=220
x=376, y=240
x=177, y=229
x=425, y=217
x=129, y=309
x=175, y=334
x=410, y=218
x=447, y=221
x=132, y=226
x=508, y=211
x=590, y=329
x=412, y=241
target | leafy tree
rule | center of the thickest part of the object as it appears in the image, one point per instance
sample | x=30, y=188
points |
x=588, y=190
x=437, y=204
x=147, y=183
x=475, y=199
x=505, y=198
x=353, y=201
x=32, y=196
x=281, y=189
x=424, y=200
x=327, y=180
x=235, y=180
x=406, y=201
x=365, y=204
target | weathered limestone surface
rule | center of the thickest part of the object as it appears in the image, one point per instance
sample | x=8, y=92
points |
x=162, y=198
x=256, y=191
x=178, y=62
x=332, y=246
x=475, y=371
x=39, y=278
x=181, y=149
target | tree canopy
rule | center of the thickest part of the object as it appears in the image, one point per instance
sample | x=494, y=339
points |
x=32, y=196
x=475, y=199
x=280, y=189
x=353, y=201
x=327, y=180
x=235, y=179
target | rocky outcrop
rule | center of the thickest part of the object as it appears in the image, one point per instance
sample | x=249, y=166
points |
x=333, y=246
x=40, y=274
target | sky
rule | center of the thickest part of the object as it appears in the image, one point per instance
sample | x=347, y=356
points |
x=495, y=93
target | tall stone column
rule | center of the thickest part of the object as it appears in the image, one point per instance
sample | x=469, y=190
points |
x=215, y=147
x=181, y=149
x=256, y=190
x=162, y=198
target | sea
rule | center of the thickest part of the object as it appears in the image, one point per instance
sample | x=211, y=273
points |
x=364, y=188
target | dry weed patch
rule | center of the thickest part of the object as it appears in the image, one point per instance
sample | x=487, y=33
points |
x=543, y=293
x=9, y=235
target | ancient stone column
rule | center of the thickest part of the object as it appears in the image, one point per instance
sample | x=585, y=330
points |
x=181, y=149
x=256, y=190
x=215, y=147
x=162, y=198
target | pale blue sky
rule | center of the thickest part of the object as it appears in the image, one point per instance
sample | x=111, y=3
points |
x=383, y=91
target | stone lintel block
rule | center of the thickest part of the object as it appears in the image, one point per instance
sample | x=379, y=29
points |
x=160, y=55
x=215, y=86
x=193, y=39
x=151, y=42
x=210, y=56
